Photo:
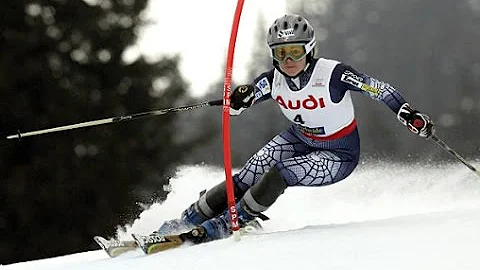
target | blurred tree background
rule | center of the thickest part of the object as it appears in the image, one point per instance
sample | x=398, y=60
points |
x=61, y=63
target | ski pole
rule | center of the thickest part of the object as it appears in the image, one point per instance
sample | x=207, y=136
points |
x=447, y=148
x=117, y=119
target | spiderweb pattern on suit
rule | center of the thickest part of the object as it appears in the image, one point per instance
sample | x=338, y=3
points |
x=299, y=163
x=281, y=147
x=315, y=169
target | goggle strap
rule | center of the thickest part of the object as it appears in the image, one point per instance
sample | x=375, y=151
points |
x=310, y=45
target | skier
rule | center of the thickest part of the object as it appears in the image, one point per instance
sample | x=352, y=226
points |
x=320, y=148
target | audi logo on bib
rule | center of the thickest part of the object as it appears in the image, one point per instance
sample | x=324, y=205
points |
x=310, y=103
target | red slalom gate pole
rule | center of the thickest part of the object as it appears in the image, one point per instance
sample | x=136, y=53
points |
x=226, y=123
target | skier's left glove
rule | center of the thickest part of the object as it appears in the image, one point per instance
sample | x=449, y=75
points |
x=241, y=98
x=416, y=121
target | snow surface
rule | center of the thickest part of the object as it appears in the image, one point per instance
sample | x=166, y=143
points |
x=384, y=216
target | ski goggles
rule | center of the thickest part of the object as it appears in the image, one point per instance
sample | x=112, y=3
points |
x=295, y=52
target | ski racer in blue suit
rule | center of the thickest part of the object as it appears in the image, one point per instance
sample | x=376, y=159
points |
x=322, y=145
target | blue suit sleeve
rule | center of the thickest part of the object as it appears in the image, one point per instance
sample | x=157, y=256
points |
x=263, y=87
x=346, y=78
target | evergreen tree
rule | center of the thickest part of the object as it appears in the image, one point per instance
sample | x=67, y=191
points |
x=61, y=63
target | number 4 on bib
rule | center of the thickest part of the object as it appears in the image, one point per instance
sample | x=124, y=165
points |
x=298, y=119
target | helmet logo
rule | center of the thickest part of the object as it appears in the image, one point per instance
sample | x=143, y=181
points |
x=285, y=34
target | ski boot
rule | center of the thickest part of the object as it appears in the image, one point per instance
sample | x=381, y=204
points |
x=189, y=219
x=220, y=226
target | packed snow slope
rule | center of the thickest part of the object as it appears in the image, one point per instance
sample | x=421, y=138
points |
x=384, y=216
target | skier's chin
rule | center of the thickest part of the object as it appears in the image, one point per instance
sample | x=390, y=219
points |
x=292, y=73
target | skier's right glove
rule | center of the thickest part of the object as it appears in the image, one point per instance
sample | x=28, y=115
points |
x=416, y=121
x=241, y=98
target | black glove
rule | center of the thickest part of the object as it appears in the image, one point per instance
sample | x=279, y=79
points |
x=241, y=98
x=416, y=121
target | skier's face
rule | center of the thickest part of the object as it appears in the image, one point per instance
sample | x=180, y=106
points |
x=293, y=68
x=290, y=57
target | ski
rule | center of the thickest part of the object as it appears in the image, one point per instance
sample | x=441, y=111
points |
x=115, y=248
x=156, y=242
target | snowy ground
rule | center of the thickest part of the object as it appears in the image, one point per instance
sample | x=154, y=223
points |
x=384, y=216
